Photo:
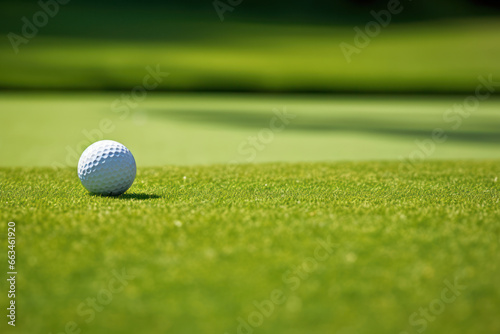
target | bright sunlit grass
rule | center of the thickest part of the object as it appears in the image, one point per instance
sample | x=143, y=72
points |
x=186, y=129
x=204, y=243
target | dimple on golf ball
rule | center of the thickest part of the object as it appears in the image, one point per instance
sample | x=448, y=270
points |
x=107, y=168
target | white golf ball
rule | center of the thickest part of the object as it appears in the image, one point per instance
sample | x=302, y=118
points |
x=107, y=168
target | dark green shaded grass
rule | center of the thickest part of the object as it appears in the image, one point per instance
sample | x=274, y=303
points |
x=204, y=243
x=444, y=56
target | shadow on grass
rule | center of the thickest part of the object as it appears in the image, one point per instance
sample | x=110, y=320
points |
x=334, y=123
x=136, y=196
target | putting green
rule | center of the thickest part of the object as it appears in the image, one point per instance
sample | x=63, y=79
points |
x=186, y=129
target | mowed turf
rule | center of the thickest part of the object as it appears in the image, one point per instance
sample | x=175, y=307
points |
x=205, y=244
x=192, y=129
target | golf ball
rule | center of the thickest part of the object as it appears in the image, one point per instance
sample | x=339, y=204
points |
x=107, y=168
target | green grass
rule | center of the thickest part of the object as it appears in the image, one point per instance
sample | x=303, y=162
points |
x=204, y=243
x=187, y=129
x=441, y=56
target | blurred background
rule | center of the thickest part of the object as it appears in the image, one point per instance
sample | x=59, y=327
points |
x=64, y=65
x=260, y=46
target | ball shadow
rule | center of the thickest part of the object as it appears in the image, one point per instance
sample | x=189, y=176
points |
x=129, y=196
x=138, y=196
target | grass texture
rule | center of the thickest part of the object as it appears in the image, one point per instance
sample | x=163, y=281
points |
x=356, y=247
